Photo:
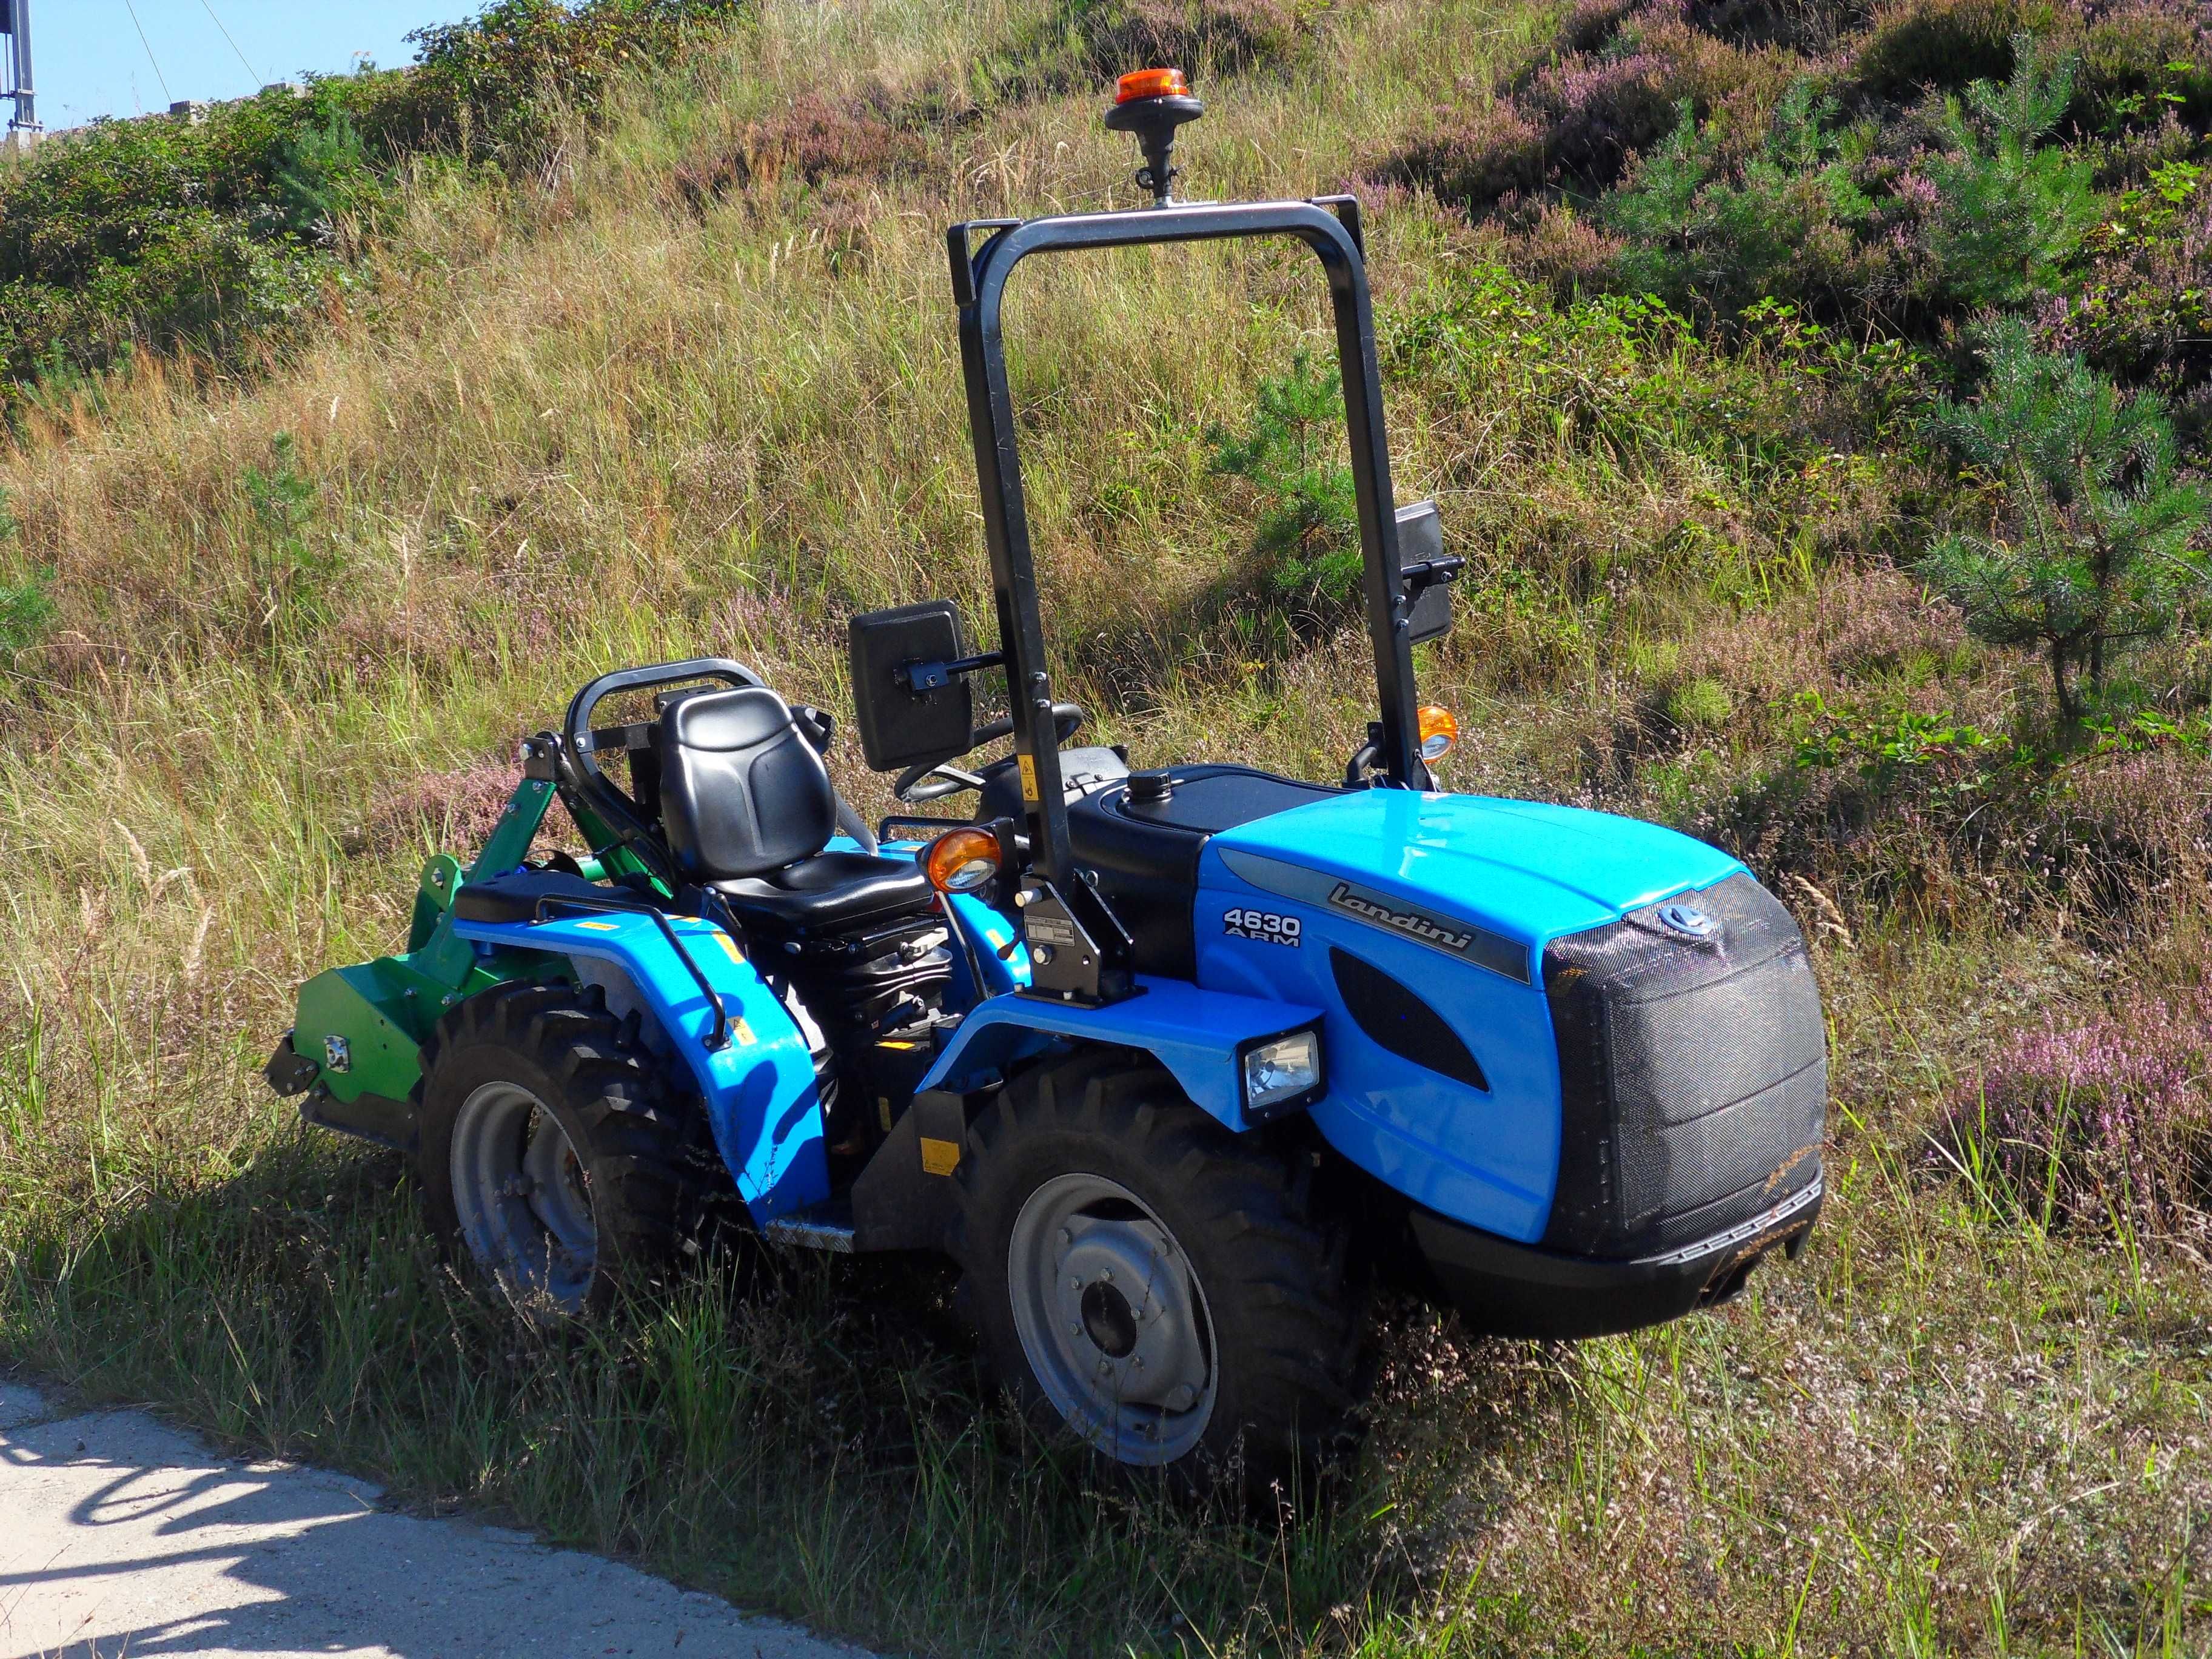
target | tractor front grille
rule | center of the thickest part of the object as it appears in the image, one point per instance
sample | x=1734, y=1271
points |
x=1693, y=1073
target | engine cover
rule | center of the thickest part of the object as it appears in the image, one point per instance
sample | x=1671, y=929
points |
x=1575, y=1031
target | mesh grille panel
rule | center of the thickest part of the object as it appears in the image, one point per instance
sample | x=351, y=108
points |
x=1695, y=1074
x=1686, y=1054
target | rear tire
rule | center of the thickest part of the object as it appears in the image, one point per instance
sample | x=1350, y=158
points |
x=553, y=1157
x=1163, y=1289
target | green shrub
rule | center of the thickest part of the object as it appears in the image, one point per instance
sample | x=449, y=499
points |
x=2142, y=61
x=289, y=569
x=2142, y=309
x=1783, y=224
x=2010, y=209
x=26, y=608
x=1700, y=704
x=1807, y=155
x=497, y=83
x=1308, y=536
x=163, y=233
x=2097, y=551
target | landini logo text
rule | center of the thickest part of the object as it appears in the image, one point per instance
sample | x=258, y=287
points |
x=1405, y=922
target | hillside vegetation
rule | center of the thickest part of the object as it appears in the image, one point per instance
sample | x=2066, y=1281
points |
x=1818, y=393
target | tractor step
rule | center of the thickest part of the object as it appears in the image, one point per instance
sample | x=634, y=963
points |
x=827, y=1227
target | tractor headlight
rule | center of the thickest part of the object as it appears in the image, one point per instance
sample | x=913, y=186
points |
x=1281, y=1073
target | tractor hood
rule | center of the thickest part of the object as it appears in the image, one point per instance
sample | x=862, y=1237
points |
x=1522, y=873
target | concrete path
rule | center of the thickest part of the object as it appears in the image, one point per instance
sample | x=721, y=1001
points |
x=121, y=1536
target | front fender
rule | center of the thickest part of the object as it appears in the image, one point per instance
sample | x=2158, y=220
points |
x=759, y=1088
x=1200, y=1035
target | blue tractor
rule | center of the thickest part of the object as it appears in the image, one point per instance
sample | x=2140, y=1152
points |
x=1171, y=1060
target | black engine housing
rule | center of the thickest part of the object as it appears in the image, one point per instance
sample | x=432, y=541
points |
x=1693, y=1074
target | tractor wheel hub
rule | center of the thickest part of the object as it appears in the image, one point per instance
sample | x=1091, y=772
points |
x=1112, y=1319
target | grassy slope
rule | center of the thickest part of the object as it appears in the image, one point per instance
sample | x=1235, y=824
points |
x=592, y=424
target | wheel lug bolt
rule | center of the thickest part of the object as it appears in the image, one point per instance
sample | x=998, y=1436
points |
x=1105, y=1275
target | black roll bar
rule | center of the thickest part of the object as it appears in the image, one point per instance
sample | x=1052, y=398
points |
x=1330, y=227
x=577, y=765
x=577, y=727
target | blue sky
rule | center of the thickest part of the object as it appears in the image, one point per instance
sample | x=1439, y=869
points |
x=90, y=61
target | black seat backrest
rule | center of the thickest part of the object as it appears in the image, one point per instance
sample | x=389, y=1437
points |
x=741, y=790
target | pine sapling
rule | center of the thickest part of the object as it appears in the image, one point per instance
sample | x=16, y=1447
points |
x=1308, y=535
x=2097, y=545
x=2010, y=208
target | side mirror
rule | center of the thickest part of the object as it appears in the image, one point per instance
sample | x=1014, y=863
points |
x=909, y=710
x=1421, y=550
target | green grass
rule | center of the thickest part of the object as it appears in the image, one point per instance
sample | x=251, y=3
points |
x=582, y=420
x=1937, y=1431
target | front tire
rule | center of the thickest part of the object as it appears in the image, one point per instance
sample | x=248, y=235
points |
x=553, y=1155
x=1166, y=1290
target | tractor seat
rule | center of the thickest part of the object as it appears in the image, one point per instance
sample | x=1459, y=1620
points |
x=831, y=892
x=748, y=808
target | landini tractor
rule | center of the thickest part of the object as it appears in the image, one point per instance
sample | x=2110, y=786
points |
x=1172, y=1061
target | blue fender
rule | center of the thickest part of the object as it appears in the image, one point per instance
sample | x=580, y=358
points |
x=759, y=1087
x=1198, y=1035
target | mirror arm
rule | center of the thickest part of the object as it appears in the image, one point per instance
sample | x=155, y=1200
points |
x=1430, y=572
x=931, y=676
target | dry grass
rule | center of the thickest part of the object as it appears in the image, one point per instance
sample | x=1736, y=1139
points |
x=605, y=419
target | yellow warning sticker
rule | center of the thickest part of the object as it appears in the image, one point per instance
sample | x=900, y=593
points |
x=729, y=945
x=1029, y=778
x=743, y=1032
x=598, y=927
x=939, y=1157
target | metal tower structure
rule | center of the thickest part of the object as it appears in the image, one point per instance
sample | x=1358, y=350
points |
x=16, y=21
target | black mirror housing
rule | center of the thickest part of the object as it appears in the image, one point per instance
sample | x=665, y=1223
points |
x=1421, y=543
x=909, y=710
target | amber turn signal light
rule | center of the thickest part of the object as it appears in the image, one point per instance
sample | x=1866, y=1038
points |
x=1439, y=731
x=1150, y=83
x=962, y=860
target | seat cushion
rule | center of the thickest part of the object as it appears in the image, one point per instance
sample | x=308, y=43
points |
x=514, y=896
x=831, y=893
x=741, y=790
